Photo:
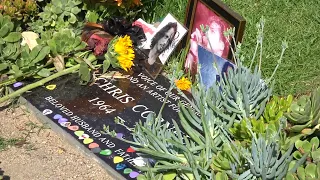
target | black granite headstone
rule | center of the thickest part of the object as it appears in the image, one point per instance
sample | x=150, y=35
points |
x=82, y=111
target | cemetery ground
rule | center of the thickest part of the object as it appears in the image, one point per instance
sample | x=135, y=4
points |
x=31, y=150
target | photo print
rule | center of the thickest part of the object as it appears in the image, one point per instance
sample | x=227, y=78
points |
x=210, y=73
x=163, y=42
x=148, y=30
x=218, y=18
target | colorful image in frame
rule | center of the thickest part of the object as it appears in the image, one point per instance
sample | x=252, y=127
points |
x=219, y=18
x=208, y=72
x=169, y=33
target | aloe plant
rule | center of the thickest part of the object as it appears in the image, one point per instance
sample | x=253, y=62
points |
x=304, y=114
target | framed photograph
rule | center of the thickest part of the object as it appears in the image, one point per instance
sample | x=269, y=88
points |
x=219, y=18
x=161, y=45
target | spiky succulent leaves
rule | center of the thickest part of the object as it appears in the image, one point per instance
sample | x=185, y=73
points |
x=265, y=160
x=244, y=93
x=304, y=114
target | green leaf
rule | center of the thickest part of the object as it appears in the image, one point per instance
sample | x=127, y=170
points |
x=307, y=146
x=318, y=170
x=290, y=177
x=72, y=19
x=92, y=16
x=316, y=156
x=169, y=176
x=16, y=70
x=310, y=170
x=13, y=37
x=314, y=142
x=42, y=54
x=75, y=10
x=84, y=72
x=3, y=66
x=299, y=144
x=221, y=176
x=34, y=52
x=297, y=155
x=106, y=65
x=4, y=30
x=301, y=173
x=142, y=177
x=44, y=72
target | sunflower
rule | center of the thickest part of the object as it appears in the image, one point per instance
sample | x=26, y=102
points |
x=183, y=83
x=125, y=53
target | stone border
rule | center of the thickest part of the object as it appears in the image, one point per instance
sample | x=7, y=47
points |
x=66, y=136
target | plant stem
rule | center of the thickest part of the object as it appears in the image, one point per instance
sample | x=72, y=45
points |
x=41, y=82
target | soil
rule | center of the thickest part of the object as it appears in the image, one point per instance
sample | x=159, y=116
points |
x=42, y=153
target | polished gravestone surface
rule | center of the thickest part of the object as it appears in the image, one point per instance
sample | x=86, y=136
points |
x=81, y=112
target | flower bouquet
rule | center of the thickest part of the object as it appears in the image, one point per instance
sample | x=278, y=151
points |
x=120, y=54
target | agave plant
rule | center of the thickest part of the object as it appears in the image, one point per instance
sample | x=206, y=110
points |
x=304, y=114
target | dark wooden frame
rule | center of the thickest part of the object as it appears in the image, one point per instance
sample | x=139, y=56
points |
x=224, y=12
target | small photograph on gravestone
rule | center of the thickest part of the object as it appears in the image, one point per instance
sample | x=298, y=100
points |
x=161, y=45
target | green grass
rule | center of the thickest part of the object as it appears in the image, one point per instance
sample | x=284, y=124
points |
x=297, y=22
x=5, y=143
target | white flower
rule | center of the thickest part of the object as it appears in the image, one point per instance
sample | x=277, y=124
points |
x=140, y=161
x=29, y=38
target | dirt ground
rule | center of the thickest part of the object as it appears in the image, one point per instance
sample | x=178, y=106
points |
x=44, y=154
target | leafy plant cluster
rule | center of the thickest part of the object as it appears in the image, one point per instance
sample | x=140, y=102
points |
x=243, y=131
x=19, y=9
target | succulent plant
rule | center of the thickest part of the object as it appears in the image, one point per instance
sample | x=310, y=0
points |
x=244, y=93
x=18, y=9
x=9, y=43
x=309, y=172
x=224, y=159
x=276, y=108
x=7, y=33
x=57, y=10
x=29, y=60
x=308, y=147
x=57, y=15
x=65, y=42
x=266, y=162
x=304, y=114
x=62, y=44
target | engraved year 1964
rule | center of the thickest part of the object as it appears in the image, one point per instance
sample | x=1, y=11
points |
x=102, y=105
